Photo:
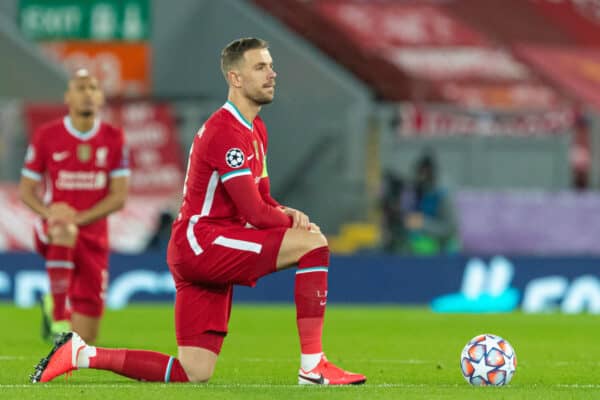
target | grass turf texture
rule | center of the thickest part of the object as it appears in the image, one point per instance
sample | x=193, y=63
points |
x=406, y=353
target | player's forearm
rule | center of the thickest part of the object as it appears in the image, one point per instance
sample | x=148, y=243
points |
x=252, y=207
x=31, y=200
x=111, y=203
x=270, y=200
x=266, y=216
x=264, y=187
x=262, y=215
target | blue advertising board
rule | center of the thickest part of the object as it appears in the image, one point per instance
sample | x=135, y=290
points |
x=447, y=284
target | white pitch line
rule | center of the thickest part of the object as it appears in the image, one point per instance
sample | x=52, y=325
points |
x=208, y=386
x=407, y=361
x=365, y=361
x=563, y=363
x=74, y=385
x=370, y=360
x=269, y=386
x=394, y=361
x=578, y=386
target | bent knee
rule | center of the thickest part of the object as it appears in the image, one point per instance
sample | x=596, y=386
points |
x=199, y=378
x=296, y=244
x=316, y=246
x=198, y=375
x=198, y=363
x=317, y=240
x=64, y=235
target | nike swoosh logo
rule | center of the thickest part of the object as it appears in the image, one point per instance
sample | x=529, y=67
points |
x=60, y=156
x=318, y=381
x=323, y=302
x=250, y=157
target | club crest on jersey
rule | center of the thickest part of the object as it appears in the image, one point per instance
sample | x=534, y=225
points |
x=234, y=158
x=84, y=152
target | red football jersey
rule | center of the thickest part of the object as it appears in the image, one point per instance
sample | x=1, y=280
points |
x=226, y=147
x=76, y=167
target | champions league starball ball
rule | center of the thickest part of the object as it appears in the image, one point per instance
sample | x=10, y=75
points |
x=488, y=360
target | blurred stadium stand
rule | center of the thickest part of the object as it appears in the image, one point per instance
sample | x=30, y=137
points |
x=500, y=90
x=26, y=73
x=506, y=93
x=317, y=124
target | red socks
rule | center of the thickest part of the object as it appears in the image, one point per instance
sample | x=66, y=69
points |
x=59, y=265
x=311, y=298
x=139, y=364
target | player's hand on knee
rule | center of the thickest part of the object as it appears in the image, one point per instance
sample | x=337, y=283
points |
x=300, y=220
x=61, y=213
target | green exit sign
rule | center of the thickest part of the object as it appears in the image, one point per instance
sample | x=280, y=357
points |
x=102, y=20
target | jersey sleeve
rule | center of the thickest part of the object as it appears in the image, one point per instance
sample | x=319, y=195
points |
x=120, y=162
x=228, y=155
x=253, y=207
x=35, y=158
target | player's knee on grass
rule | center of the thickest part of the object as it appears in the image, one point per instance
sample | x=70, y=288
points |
x=63, y=234
x=198, y=376
x=198, y=363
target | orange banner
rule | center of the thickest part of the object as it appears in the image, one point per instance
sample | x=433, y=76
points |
x=512, y=95
x=123, y=68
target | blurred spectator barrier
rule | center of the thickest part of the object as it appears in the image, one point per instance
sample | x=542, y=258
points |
x=482, y=148
x=489, y=222
x=529, y=222
x=449, y=284
x=130, y=229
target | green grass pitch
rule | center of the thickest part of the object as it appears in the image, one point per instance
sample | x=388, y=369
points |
x=406, y=353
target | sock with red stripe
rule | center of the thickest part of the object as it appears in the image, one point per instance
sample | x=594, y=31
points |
x=59, y=265
x=142, y=365
x=311, y=298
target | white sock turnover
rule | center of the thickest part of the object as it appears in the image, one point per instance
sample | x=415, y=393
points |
x=309, y=361
x=83, y=359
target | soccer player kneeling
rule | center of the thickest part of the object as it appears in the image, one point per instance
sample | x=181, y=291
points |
x=229, y=231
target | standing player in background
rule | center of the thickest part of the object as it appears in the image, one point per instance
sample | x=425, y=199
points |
x=83, y=164
x=229, y=231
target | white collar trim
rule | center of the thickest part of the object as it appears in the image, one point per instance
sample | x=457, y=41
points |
x=81, y=135
x=229, y=106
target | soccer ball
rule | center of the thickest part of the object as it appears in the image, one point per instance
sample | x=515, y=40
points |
x=488, y=360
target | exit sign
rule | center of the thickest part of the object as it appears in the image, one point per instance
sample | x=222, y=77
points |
x=98, y=20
